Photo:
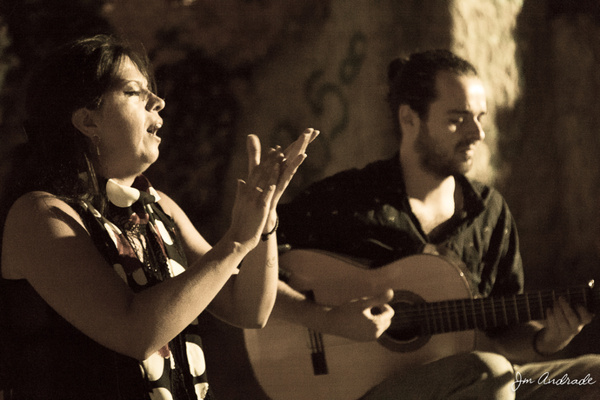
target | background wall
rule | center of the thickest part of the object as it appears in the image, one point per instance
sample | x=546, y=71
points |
x=551, y=146
x=273, y=67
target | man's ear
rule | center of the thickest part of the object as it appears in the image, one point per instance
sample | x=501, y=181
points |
x=83, y=120
x=407, y=116
x=410, y=123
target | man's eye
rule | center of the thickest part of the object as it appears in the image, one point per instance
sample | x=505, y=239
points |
x=133, y=92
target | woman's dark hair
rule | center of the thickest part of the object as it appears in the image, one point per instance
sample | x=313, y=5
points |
x=412, y=80
x=56, y=157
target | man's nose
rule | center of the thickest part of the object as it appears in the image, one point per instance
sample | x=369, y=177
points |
x=476, y=131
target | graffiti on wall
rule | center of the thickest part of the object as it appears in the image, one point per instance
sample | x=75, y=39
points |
x=328, y=101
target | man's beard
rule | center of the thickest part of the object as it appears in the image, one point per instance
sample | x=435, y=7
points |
x=436, y=161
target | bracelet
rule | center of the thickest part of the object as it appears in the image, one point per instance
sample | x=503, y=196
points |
x=534, y=344
x=265, y=236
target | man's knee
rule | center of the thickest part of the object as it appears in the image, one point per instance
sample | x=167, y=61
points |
x=496, y=374
x=493, y=365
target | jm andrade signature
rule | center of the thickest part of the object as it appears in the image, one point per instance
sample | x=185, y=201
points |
x=545, y=379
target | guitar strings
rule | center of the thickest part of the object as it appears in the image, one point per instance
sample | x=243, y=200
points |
x=452, y=315
x=481, y=307
x=491, y=303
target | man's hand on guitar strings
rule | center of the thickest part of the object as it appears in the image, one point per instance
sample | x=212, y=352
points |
x=363, y=319
x=562, y=324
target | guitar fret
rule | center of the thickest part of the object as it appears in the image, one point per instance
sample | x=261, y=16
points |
x=449, y=317
x=546, y=299
x=427, y=318
x=504, y=314
x=438, y=319
x=473, y=312
x=456, y=316
x=516, y=308
x=493, y=311
x=439, y=327
x=483, y=319
x=465, y=315
x=434, y=322
x=441, y=317
x=528, y=309
x=519, y=309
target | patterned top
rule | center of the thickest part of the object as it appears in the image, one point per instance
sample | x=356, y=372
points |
x=50, y=359
x=148, y=252
x=365, y=214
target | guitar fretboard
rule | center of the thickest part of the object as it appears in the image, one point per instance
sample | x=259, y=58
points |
x=491, y=312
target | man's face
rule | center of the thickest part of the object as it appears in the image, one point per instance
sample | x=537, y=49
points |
x=447, y=140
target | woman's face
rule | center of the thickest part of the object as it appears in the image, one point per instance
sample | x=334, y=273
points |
x=126, y=125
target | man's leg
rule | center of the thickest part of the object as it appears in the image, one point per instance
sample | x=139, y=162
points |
x=477, y=375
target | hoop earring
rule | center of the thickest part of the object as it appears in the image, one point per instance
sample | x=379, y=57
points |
x=96, y=142
x=91, y=174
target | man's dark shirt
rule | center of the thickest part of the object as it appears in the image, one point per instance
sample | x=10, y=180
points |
x=365, y=214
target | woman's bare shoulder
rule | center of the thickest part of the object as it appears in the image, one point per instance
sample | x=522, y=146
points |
x=34, y=205
x=36, y=220
x=166, y=202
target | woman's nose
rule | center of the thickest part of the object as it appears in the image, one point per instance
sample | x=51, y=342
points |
x=156, y=103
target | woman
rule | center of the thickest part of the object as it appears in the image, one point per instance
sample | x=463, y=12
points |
x=103, y=276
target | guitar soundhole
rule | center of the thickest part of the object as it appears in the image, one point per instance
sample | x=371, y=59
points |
x=405, y=333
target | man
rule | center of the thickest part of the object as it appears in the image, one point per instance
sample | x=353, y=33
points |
x=421, y=202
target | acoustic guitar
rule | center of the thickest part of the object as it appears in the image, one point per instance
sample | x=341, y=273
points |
x=435, y=316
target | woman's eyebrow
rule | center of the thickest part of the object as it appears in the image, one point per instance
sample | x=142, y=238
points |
x=123, y=81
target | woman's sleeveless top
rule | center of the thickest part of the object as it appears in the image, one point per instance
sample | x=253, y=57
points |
x=50, y=359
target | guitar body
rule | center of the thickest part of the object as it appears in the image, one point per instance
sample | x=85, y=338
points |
x=280, y=353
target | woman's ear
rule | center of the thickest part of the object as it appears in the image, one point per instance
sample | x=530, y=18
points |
x=83, y=120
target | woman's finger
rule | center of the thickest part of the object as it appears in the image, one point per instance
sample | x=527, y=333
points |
x=253, y=149
x=266, y=173
x=299, y=146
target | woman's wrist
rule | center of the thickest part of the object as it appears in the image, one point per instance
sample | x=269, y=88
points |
x=270, y=227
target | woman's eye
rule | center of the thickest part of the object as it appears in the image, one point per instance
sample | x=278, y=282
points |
x=133, y=92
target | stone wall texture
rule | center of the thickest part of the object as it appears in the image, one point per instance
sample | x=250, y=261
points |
x=552, y=182
x=336, y=81
x=576, y=76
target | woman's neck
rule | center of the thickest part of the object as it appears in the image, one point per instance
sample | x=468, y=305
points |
x=128, y=181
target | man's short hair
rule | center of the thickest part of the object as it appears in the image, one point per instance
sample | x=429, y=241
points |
x=412, y=80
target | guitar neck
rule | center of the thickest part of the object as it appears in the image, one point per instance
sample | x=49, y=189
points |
x=492, y=312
